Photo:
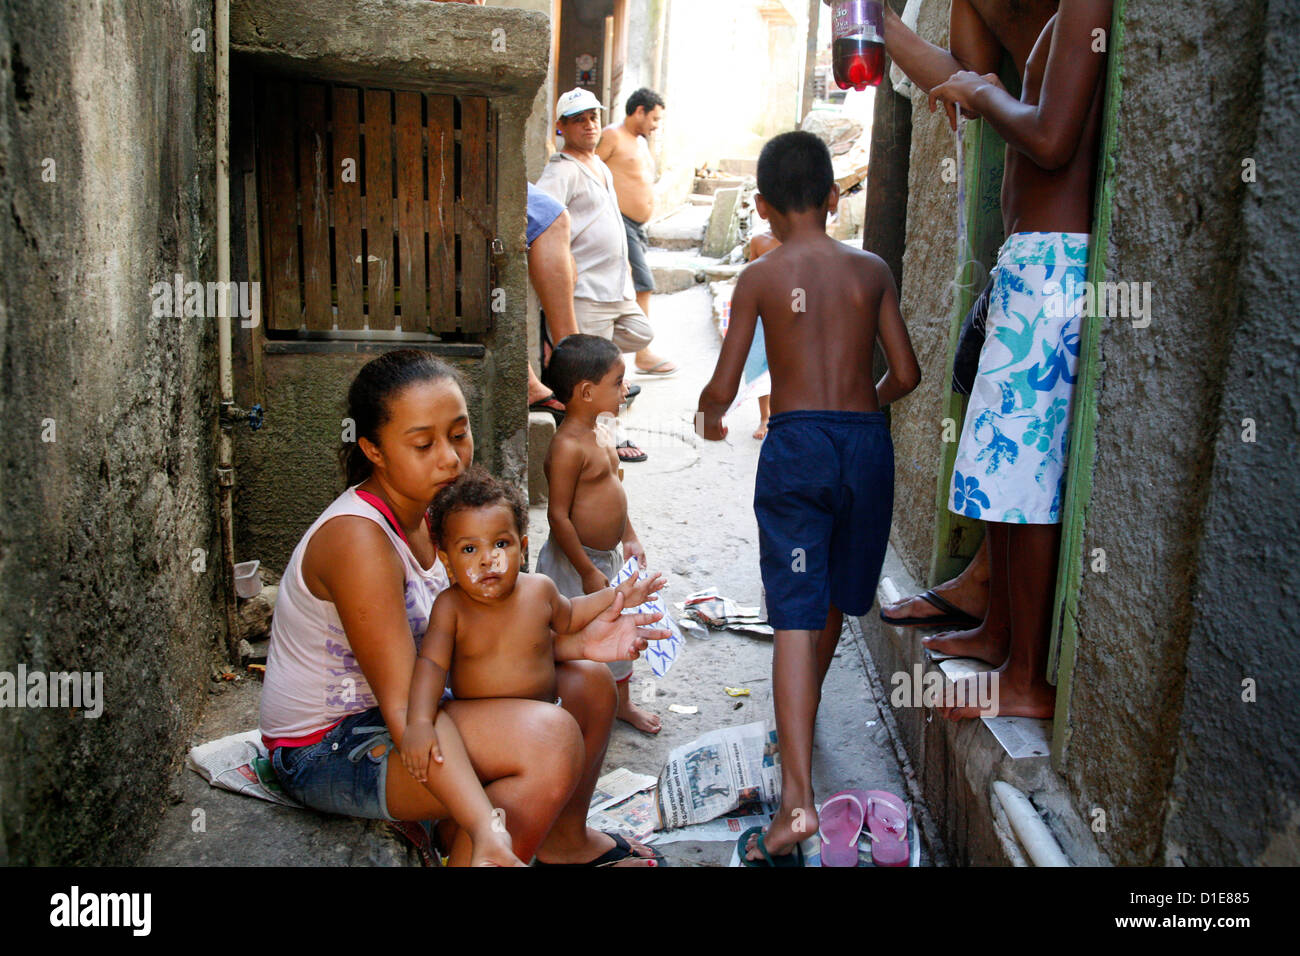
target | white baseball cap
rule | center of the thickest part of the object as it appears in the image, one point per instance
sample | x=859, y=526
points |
x=577, y=101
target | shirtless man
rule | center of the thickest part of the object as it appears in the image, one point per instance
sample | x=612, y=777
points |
x=624, y=149
x=1022, y=393
x=979, y=32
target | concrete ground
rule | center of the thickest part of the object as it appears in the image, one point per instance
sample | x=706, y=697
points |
x=691, y=505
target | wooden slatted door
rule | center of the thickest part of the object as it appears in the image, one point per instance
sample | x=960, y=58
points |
x=377, y=209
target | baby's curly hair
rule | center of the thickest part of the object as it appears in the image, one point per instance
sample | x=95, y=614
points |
x=476, y=489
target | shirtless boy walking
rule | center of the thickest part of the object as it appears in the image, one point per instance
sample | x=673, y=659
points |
x=625, y=150
x=824, y=491
x=591, y=534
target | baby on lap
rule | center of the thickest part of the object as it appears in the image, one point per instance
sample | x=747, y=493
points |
x=494, y=629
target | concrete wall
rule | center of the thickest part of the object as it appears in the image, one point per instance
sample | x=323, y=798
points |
x=540, y=120
x=95, y=548
x=287, y=472
x=1251, y=524
x=926, y=301
x=1180, y=504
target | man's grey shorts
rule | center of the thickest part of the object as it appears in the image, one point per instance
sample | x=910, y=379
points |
x=637, y=243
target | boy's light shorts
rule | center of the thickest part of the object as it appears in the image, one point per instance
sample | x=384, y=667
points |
x=553, y=563
x=824, y=498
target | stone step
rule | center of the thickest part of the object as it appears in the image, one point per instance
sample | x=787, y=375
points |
x=709, y=185
x=682, y=229
x=541, y=429
x=738, y=167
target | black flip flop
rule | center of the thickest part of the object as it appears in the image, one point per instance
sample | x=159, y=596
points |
x=620, y=851
x=953, y=616
x=627, y=444
x=632, y=392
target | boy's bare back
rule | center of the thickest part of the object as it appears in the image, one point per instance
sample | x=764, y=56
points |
x=823, y=304
x=505, y=649
x=582, y=473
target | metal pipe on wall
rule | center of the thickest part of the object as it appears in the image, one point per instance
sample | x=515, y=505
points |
x=225, y=441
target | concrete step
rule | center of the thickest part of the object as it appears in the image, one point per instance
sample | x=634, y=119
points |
x=541, y=429
x=684, y=228
x=710, y=185
x=738, y=167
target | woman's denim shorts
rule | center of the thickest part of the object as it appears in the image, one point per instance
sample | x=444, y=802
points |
x=339, y=774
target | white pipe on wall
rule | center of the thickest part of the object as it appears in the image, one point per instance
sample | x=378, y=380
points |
x=1030, y=830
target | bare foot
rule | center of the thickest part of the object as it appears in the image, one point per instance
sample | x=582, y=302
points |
x=979, y=642
x=642, y=720
x=993, y=695
x=789, y=826
x=494, y=849
x=761, y=431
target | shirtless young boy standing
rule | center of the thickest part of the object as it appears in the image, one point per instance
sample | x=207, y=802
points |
x=1011, y=460
x=824, y=491
x=493, y=629
x=587, y=506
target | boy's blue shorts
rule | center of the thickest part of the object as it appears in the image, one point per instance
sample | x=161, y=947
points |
x=823, y=497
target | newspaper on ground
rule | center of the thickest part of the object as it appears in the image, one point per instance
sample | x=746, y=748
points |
x=711, y=609
x=239, y=763
x=662, y=653
x=617, y=785
x=717, y=773
x=721, y=830
x=635, y=817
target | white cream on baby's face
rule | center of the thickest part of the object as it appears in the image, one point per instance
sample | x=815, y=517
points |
x=483, y=551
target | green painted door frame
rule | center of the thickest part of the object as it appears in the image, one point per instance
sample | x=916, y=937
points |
x=1083, y=424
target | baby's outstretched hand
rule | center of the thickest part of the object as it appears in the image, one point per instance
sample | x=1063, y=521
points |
x=636, y=591
x=419, y=744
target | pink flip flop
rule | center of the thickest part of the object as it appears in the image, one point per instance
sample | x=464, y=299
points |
x=841, y=819
x=886, y=824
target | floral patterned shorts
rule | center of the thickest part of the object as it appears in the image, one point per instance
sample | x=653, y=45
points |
x=1011, y=460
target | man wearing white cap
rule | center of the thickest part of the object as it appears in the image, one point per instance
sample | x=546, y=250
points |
x=604, y=300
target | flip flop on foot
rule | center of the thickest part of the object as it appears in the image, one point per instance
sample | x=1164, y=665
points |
x=551, y=405
x=620, y=852
x=629, y=452
x=792, y=859
x=664, y=367
x=632, y=392
x=952, y=615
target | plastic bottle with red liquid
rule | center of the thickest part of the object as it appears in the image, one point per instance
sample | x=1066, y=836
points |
x=858, y=47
